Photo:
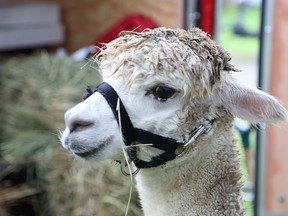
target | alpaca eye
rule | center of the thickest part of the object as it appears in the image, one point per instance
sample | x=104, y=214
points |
x=162, y=93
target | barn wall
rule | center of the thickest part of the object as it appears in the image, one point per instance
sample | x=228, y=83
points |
x=85, y=20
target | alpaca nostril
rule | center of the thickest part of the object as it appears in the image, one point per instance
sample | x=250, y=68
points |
x=79, y=125
x=76, y=121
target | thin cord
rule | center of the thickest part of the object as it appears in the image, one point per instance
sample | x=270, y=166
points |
x=131, y=181
x=126, y=160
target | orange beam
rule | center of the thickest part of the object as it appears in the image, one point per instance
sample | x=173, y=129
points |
x=276, y=198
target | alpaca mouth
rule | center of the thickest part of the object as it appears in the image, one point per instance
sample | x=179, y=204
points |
x=91, y=152
x=94, y=151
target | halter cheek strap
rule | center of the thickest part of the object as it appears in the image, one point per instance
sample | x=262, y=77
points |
x=132, y=135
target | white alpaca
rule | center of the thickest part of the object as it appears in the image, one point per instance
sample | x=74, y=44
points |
x=176, y=84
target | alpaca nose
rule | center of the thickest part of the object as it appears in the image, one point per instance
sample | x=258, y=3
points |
x=74, y=122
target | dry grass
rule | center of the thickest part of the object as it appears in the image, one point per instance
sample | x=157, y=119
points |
x=35, y=93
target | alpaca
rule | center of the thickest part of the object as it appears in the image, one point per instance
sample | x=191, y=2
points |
x=172, y=89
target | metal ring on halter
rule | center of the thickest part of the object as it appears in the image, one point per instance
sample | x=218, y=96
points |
x=124, y=172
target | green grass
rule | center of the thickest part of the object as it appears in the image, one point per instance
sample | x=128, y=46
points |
x=247, y=204
x=232, y=42
x=249, y=208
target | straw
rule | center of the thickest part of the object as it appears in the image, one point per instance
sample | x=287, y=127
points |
x=35, y=92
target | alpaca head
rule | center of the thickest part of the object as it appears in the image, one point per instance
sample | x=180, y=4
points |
x=170, y=82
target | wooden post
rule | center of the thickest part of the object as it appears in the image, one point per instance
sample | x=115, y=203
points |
x=276, y=188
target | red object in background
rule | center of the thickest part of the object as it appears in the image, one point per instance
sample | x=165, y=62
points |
x=206, y=10
x=134, y=22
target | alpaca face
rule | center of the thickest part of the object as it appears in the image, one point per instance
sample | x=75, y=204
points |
x=170, y=82
x=153, y=79
x=156, y=104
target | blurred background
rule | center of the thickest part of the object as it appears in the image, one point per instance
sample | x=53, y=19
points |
x=46, y=49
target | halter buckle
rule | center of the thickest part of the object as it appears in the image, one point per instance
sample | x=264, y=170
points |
x=197, y=132
x=123, y=168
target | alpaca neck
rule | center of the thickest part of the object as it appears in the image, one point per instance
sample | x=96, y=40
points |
x=203, y=182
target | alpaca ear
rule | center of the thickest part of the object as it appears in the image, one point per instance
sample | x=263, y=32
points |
x=250, y=103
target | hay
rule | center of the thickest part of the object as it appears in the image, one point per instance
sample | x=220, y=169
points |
x=35, y=93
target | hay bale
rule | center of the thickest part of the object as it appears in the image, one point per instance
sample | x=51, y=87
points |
x=35, y=93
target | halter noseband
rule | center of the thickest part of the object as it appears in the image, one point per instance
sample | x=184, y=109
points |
x=132, y=135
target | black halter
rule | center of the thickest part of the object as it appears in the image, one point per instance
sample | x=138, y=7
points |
x=132, y=135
